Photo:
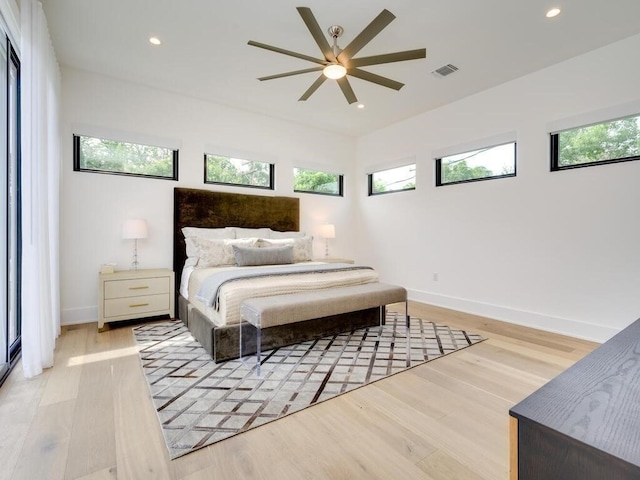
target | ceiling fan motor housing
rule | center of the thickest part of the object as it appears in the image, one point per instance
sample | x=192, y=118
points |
x=335, y=31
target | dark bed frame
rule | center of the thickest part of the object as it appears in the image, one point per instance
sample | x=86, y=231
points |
x=209, y=209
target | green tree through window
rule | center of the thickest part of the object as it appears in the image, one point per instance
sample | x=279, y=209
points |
x=312, y=181
x=459, y=171
x=113, y=156
x=393, y=180
x=497, y=161
x=601, y=143
x=236, y=171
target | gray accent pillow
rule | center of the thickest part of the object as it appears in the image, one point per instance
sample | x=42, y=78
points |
x=249, y=256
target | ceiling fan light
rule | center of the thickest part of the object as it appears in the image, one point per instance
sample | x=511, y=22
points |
x=554, y=12
x=334, y=71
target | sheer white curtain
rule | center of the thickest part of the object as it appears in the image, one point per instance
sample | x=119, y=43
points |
x=40, y=91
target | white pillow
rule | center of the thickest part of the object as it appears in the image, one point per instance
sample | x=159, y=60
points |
x=191, y=262
x=192, y=232
x=302, y=247
x=212, y=252
x=191, y=248
x=240, y=232
x=276, y=234
x=224, y=232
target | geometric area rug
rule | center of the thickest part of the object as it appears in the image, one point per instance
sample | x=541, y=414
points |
x=200, y=402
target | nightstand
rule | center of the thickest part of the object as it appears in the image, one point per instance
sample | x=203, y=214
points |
x=130, y=294
x=333, y=260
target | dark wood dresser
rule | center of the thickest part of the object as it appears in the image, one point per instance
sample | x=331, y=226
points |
x=585, y=423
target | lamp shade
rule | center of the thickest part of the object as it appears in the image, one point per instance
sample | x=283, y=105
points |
x=328, y=231
x=135, y=228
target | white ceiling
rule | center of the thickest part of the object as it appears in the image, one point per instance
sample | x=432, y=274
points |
x=205, y=53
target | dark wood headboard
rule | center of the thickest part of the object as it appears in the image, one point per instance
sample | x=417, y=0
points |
x=205, y=208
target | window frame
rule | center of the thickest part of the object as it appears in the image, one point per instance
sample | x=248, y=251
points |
x=370, y=191
x=11, y=300
x=340, y=183
x=78, y=168
x=272, y=174
x=438, y=166
x=554, y=144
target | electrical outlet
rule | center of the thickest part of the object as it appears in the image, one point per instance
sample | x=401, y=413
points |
x=435, y=277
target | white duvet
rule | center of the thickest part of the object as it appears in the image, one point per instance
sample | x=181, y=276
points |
x=234, y=293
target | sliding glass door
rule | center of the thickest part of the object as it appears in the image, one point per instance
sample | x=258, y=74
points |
x=4, y=192
x=10, y=215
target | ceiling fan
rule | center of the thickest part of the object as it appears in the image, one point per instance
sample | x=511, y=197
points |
x=338, y=63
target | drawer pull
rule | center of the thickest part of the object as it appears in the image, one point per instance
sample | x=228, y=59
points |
x=138, y=305
x=138, y=288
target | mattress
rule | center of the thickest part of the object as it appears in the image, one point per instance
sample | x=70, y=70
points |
x=234, y=293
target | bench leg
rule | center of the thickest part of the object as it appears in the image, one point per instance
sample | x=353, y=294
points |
x=246, y=361
x=408, y=331
x=258, y=349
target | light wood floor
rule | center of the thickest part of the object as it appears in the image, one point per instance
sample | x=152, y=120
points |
x=90, y=416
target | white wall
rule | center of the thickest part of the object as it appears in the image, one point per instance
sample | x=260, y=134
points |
x=93, y=206
x=558, y=251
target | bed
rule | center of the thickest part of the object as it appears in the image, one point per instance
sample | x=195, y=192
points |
x=246, y=220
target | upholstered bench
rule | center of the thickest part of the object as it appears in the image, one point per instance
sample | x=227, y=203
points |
x=267, y=312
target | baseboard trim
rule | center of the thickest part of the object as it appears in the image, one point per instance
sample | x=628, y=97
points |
x=77, y=316
x=563, y=326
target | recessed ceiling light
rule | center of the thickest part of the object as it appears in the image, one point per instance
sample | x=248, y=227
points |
x=155, y=41
x=554, y=12
x=361, y=106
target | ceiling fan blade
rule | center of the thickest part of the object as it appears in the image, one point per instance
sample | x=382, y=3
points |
x=314, y=86
x=372, y=77
x=287, y=52
x=289, y=74
x=316, y=32
x=345, y=86
x=389, y=58
x=370, y=31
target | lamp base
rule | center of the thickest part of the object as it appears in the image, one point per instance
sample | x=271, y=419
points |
x=134, y=263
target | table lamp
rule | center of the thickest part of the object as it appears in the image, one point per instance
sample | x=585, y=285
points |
x=134, y=229
x=327, y=231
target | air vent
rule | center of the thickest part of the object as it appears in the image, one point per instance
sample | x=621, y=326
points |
x=444, y=71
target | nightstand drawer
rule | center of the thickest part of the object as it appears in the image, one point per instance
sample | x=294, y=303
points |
x=135, y=287
x=145, y=304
